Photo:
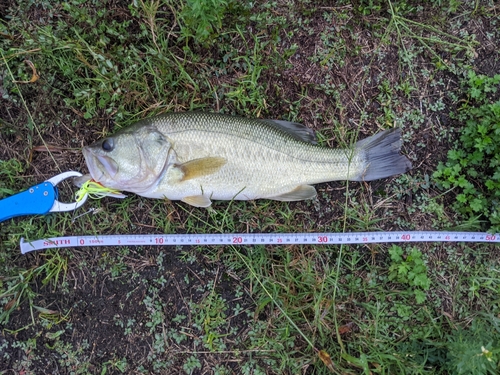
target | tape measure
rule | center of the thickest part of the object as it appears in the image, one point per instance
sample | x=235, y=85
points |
x=257, y=239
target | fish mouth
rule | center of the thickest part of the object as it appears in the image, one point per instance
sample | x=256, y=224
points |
x=100, y=166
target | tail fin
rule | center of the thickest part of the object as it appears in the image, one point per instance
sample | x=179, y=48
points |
x=381, y=153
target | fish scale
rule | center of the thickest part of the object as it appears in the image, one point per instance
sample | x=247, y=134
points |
x=258, y=150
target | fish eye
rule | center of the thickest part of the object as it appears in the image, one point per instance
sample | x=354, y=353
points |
x=108, y=145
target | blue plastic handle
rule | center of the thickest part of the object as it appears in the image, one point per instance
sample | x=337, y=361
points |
x=37, y=200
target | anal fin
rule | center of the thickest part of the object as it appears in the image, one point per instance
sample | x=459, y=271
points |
x=197, y=200
x=300, y=193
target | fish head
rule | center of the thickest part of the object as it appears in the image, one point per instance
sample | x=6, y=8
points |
x=133, y=159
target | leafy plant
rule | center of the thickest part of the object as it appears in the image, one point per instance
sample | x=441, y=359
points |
x=473, y=166
x=211, y=318
x=475, y=350
x=202, y=18
x=119, y=364
x=17, y=288
x=410, y=270
x=191, y=364
x=8, y=170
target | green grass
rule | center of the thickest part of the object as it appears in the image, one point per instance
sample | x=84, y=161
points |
x=347, y=71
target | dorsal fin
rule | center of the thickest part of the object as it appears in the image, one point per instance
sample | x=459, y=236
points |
x=296, y=130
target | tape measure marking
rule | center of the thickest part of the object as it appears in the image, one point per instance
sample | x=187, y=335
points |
x=257, y=239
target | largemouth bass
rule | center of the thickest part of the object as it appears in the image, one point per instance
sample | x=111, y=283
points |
x=199, y=157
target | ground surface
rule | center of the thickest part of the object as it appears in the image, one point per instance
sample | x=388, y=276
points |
x=345, y=69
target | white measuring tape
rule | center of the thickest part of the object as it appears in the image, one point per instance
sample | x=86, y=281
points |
x=257, y=239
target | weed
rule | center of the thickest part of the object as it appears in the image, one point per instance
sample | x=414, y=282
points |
x=475, y=350
x=202, y=19
x=16, y=289
x=27, y=357
x=433, y=36
x=248, y=92
x=9, y=169
x=411, y=271
x=191, y=364
x=155, y=309
x=118, y=364
x=210, y=317
x=473, y=166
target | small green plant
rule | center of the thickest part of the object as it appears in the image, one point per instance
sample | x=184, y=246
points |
x=118, y=364
x=473, y=166
x=191, y=364
x=367, y=7
x=410, y=270
x=211, y=318
x=202, y=18
x=8, y=170
x=17, y=288
x=475, y=350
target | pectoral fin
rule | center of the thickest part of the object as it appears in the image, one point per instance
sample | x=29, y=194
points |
x=300, y=193
x=197, y=201
x=201, y=167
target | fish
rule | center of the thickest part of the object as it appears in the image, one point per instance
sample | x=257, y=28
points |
x=198, y=157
